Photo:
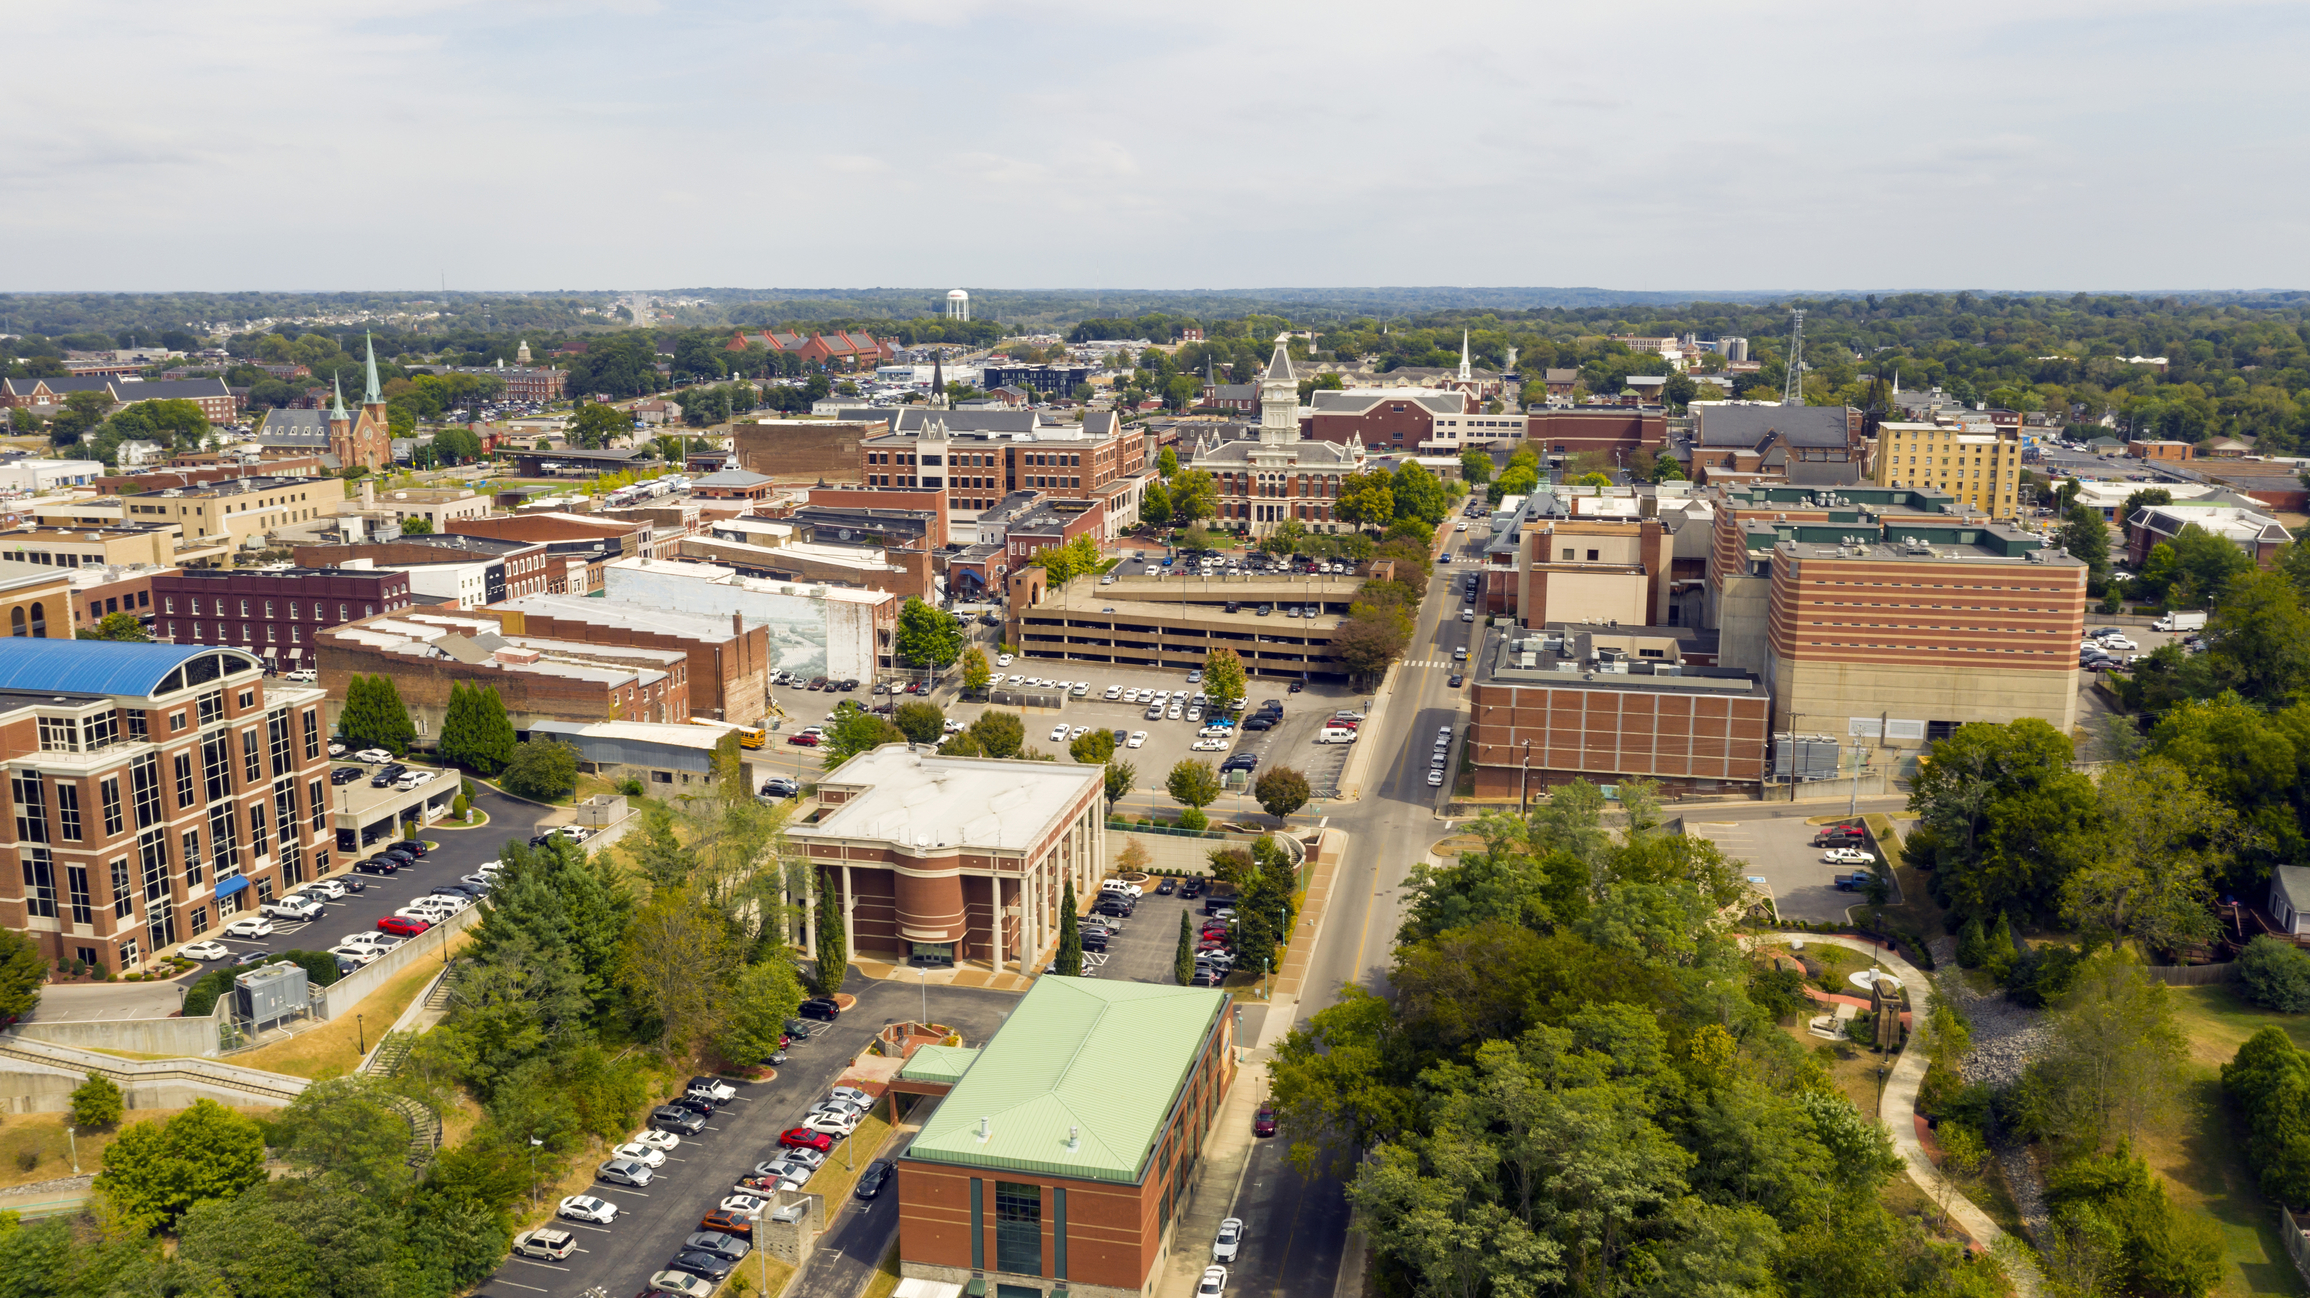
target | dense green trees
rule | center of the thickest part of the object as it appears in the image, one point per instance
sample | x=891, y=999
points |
x=542, y=769
x=856, y=731
x=1572, y=1091
x=116, y=626
x=2275, y=974
x=154, y=1172
x=1064, y=563
x=475, y=731
x=373, y=715
x=921, y=721
x=1281, y=791
x=1194, y=785
x=978, y=674
x=1224, y=679
x=833, y=948
x=96, y=1103
x=927, y=635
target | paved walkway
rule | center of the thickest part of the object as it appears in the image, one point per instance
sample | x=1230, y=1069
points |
x=1217, y=1183
x=1897, y=1109
x=961, y=975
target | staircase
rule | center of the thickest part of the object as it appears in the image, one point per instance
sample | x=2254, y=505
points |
x=424, y=1130
x=444, y=987
x=385, y=1061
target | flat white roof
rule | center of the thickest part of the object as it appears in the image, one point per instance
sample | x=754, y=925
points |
x=924, y=800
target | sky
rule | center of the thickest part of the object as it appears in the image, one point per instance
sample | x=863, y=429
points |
x=623, y=144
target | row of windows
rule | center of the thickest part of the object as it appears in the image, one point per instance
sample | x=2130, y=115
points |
x=151, y=875
x=224, y=631
x=218, y=606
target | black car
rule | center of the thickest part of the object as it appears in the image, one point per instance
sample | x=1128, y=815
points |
x=800, y=1029
x=1122, y=737
x=416, y=846
x=704, y=1108
x=1165, y=887
x=388, y=775
x=344, y=774
x=718, y=1243
x=1094, y=941
x=1240, y=762
x=682, y=1122
x=779, y=786
x=1297, y=686
x=819, y=1007
x=539, y=840
x=706, y=1265
x=1191, y=889
x=402, y=852
x=1458, y=680
x=378, y=865
x=871, y=1181
x=1112, y=909
x=458, y=890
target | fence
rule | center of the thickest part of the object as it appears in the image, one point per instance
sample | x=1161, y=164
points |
x=2297, y=1242
x=2193, y=975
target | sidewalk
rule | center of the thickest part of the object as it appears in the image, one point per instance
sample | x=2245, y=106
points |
x=1211, y=1198
x=1323, y=875
x=967, y=974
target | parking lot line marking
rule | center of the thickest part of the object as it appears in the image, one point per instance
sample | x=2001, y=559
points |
x=518, y=1285
x=542, y=1266
x=620, y=1189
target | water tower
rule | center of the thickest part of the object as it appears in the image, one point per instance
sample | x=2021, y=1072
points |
x=958, y=304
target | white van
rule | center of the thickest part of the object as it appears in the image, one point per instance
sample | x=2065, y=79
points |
x=1335, y=735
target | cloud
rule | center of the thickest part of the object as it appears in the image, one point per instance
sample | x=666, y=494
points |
x=241, y=144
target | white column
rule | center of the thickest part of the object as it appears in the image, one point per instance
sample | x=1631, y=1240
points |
x=849, y=915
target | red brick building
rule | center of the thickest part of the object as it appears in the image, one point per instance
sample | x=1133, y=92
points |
x=274, y=613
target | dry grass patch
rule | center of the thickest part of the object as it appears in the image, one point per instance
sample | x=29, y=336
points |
x=748, y=1278
x=864, y=1145
x=885, y=1278
x=35, y=1146
x=334, y=1048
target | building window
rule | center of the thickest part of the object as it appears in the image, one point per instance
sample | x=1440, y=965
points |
x=194, y=871
x=978, y=1225
x=260, y=842
x=224, y=841
x=186, y=794
x=312, y=733
x=136, y=723
x=108, y=794
x=211, y=707
x=198, y=919
x=76, y=890
x=127, y=950
x=39, y=883
x=1018, y=1228
x=176, y=719
x=216, y=766
x=68, y=811
x=31, y=808
x=123, y=890
x=277, y=742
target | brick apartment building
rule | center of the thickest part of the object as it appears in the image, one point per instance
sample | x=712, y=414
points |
x=1385, y=419
x=510, y=568
x=1605, y=430
x=211, y=395
x=153, y=791
x=528, y=383
x=274, y=613
x=158, y=480
x=977, y=459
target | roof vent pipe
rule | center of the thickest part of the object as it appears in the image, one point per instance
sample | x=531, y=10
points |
x=1074, y=1137
x=983, y=1131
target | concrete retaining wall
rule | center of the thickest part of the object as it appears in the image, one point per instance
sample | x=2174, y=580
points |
x=37, y=1076
x=339, y=997
x=157, y=1036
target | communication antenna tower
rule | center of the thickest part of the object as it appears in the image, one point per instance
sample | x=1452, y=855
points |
x=1793, y=382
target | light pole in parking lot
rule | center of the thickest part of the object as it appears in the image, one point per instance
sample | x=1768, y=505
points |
x=361, y=1035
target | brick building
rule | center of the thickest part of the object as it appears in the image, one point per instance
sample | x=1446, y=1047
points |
x=1592, y=569
x=526, y=383
x=274, y=613
x=33, y=600
x=804, y=449
x=1607, y=430
x=97, y=593
x=211, y=395
x=938, y=859
x=510, y=568
x=1062, y=1158
x=1978, y=463
x=1561, y=703
x=729, y=662
x=538, y=678
x=1742, y=442
x=1384, y=419
x=232, y=510
x=979, y=457
x=1283, y=473
x=153, y=791
x=1050, y=524
x=159, y=480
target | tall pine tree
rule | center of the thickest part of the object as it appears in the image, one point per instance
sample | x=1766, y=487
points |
x=1183, y=963
x=374, y=717
x=458, y=731
x=1070, y=936
x=486, y=742
x=833, y=952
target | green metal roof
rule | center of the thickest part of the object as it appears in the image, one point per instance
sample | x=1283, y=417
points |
x=938, y=1063
x=1105, y=1060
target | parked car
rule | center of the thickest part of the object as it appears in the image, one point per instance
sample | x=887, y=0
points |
x=1165, y=887
x=713, y=1088
x=840, y=1123
x=819, y=1007
x=711, y=1266
x=545, y=1242
x=640, y=1153
x=726, y=1222
x=1213, y=1284
x=804, y=1138
x=344, y=774
x=680, y=1284
x=378, y=865
x=699, y=1105
x=1263, y=1121
x=624, y=1171
x=292, y=907
x=1229, y=1241
x=204, y=951
x=721, y=1244
x=249, y=926
x=871, y=1181
x=402, y=925
x=585, y=1207
x=1847, y=856
x=804, y=738
x=667, y=1117
x=372, y=756
x=660, y=1140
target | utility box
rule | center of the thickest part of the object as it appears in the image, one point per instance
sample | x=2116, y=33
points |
x=1800, y=758
x=271, y=994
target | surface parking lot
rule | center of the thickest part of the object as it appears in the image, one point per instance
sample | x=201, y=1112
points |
x=1781, y=853
x=1168, y=742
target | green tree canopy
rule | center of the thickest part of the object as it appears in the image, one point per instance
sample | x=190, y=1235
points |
x=927, y=635
x=542, y=769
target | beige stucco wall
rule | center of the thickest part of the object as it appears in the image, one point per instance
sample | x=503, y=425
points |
x=1741, y=612
x=1825, y=695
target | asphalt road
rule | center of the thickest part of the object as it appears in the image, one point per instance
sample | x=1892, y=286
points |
x=459, y=852
x=653, y=1221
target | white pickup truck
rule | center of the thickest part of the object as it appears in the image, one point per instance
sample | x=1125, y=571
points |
x=292, y=907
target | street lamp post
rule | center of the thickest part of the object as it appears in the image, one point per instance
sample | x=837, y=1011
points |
x=1524, y=785
x=924, y=970
x=73, y=1136
x=361, y=1034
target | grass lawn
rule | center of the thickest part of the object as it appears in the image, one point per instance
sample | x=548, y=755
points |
x=862, y=1147
x=747, y=1279
x=334, y=1048
x=35, y=1147
x=2219, y=1021
x=885, y=1277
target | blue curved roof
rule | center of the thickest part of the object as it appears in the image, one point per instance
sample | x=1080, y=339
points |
x=93, y=666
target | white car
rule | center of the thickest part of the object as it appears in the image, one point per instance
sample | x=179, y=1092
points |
x=1058, y=734
x=1113, y=692
x=1213, y=1284
x=1002, y=660
x=1137, y=738
x=373, y=756
x=1078, y=732
x=326, y=889
x=1435, y=777
x=372, y=939
x=954, y=727
x=829, y=1124
x=293, y=907
x=430, y=914
x=716, y=1090
x=574, y=833
x=250, y=926
x=2119, y=642
x=1208, y=746
x=412, y=780
x=336, y=749
x=640, y=1153
x=655, y=1139
x=585, y=1207
x=1847, y=856
x=1174, y=713
x=1229, y=1241
x=204, y=951
x=851, y=1095
x=745, y=1205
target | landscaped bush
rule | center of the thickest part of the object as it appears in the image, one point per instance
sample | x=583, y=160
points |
x=2275, y=974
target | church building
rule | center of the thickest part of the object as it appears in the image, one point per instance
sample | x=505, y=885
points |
x=1281, y=474
x=341, y=438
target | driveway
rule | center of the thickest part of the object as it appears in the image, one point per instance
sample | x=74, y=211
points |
x=1780, y=852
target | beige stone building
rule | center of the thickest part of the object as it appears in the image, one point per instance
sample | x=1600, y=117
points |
x=1978, y=463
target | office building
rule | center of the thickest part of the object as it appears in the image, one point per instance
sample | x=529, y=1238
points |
x=1978, y=463
x=1061, y=1158
x=154, y=790
x=274, y=613
x=539, y=679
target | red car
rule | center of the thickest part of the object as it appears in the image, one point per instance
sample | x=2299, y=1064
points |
x=805, y=1138
x=806, y=740
x=402, y=925
x=1263, y=1122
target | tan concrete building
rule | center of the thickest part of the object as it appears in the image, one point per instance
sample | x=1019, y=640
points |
x=1978, y=464
x=1146, y=622
x=33, y=600
x=440, y=506
x=1602, y=570
x=235, y=509
x=91, y=547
